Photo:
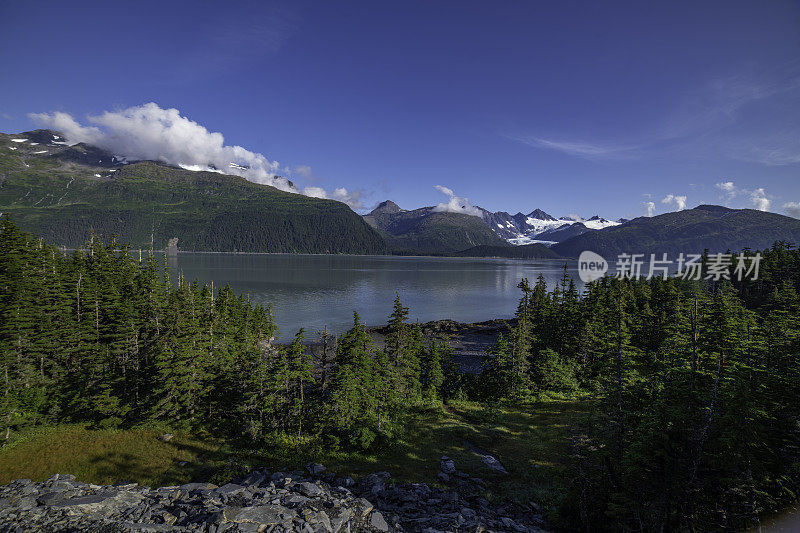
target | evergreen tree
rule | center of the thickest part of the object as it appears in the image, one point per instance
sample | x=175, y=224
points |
x=300, y=373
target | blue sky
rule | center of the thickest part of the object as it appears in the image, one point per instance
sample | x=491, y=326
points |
x=572, y=107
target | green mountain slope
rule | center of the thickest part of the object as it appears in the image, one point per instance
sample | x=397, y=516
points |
x=426, y=231
x=711, y=227
x=65, y=193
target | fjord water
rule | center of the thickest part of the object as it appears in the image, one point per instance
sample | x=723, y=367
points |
x=314, y=291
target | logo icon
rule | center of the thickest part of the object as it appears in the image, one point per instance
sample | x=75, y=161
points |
x=591, y=266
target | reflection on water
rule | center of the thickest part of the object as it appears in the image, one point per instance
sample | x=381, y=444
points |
x=312, y=291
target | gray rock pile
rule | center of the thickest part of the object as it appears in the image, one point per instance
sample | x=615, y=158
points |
x=311, y=501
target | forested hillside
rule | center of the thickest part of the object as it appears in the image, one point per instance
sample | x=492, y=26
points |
x=65, y=193
x=711, y=227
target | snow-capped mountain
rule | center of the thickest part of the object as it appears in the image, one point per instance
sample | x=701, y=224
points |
x=539, y=226
x=535, y=227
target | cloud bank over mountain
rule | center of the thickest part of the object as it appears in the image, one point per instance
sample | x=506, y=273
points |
x=150, y=132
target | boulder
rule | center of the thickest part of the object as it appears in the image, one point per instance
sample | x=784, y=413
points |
x=377, y=521
x=315, y=469
x=492, y=462
x=309, y=489
x=447, y=466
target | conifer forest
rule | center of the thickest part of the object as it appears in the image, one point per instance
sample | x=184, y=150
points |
x=694, y=385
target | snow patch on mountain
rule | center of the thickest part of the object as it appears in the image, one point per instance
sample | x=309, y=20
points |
x=540, y=227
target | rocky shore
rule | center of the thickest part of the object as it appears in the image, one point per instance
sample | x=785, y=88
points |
x=469, y=341
x=309, y=501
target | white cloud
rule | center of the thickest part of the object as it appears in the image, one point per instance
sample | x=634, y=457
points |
x=74, y=132
x=303, y=171
x=759, y=199
x=456, y=204
x=351, y=198
x=444, y=190
x=726, y=186
x=579, y=149
x=729, y=190
x=150, y=132
x=679, y=201
x=792, y=209
x=315, y=192
x=650, y=208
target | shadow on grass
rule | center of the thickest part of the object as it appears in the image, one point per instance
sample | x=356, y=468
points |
x=116, y=466
x=532, y=443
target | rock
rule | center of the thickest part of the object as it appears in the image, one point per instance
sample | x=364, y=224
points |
x=260, y=514
x=297, y=502
x=49, y=498
x=25, y=503
x=254, y=478
x=492, y=462
x=294, y=499
x=318, y=520
x=136, y=528
x=375, y=483
x=309, y=489
x=346, y=482
x=338, y=521
x=166, y=437
x=103, y=503
x=444, y=478
x=378, y=522
x=315, y=469
x=363, y=506
x=191, y=487
x=447, y=466
x=229, y=489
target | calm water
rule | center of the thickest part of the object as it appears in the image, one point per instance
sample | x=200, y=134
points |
x=312, y=291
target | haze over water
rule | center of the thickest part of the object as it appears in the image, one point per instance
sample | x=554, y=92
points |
x=312, y=291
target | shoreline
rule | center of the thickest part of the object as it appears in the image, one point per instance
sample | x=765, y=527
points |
x=409, y=256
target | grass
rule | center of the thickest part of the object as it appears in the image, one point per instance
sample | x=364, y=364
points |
x=106, y=456
x=532, y=442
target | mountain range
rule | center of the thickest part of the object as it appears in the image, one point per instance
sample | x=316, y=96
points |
x=65, y=193
x=538, y=226
x=430, y=230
